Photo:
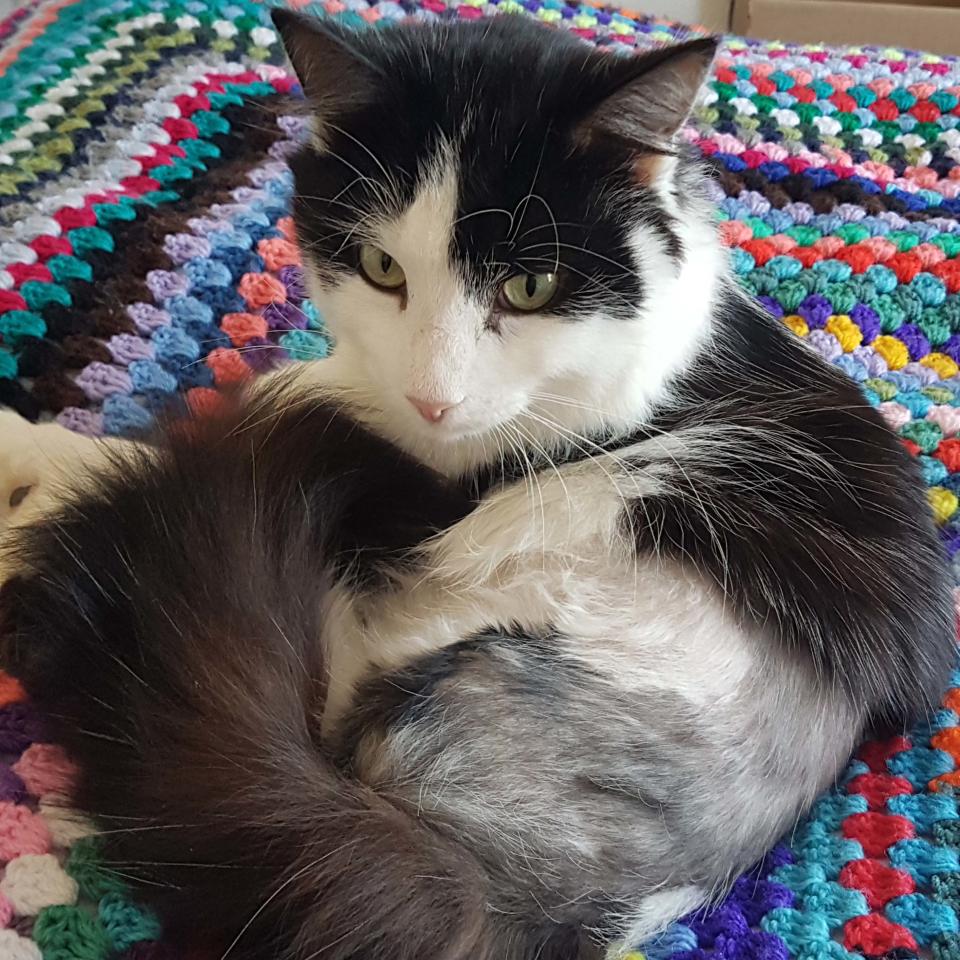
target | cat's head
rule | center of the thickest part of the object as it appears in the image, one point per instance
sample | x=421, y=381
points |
x=498, y=226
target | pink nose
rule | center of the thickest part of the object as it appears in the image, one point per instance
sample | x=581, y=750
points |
x=432, y=410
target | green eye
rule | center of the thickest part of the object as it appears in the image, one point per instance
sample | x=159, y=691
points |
x=380, y=268
x=529, y=291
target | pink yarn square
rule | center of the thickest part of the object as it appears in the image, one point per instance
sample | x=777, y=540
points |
x=21, y=832
x=44, y=768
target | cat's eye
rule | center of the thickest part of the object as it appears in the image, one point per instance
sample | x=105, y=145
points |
x=529, y=291
x=380, y=268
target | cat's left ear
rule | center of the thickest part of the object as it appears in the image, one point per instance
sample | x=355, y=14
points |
x=646, y=99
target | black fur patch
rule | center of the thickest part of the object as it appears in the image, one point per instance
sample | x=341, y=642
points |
x=810, y=516
x=533, y=196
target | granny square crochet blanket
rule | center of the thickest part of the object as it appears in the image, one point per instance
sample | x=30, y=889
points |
x=146, y=252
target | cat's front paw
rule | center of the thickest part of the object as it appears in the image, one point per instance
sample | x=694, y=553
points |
x=551, y=515
x=19, y=465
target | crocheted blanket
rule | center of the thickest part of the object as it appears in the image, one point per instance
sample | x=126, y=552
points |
x=146, y=258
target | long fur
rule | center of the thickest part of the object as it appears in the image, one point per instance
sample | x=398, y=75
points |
x=546, y=672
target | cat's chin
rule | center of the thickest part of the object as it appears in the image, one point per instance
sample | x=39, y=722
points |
x=451, y=429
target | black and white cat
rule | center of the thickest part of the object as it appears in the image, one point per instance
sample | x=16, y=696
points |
x=537, y=612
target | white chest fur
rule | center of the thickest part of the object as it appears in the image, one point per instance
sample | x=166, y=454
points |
x=552, y=556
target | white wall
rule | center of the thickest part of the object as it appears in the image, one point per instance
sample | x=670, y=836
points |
x=714, y=14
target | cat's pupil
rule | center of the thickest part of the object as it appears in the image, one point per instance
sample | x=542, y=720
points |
x=386, y=262
x=531, y=285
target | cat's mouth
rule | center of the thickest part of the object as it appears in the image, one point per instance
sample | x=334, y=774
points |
x=461, y=424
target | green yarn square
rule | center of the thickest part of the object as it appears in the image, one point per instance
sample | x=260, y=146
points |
x=39, y=294
x=903, y=98
x=210, y=124
x=935, y=326
x=39, y=163
x=8, y=364
x=924, y=433
x=125, y=923
x=852, y=233
x=86, y=239
x=112, y=212
x=258, y=88
x=157, y=197
x=65, y=268
x=947, y=834
x=172, y=172
x=945, y=946
x=94, y=881
x=884, y=389
x=220, y=101
x=804, y=235
x=904, y=240
x=949, y=243
x=17, y=324
x=70, y=933
x=848, y=121
x=199, y=150
x=304, y=345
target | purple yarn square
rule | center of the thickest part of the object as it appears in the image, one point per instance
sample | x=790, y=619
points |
x=12, y=789
x=825, y=344
x=816, y=310
x=86, y=422
x=163, y=284
x=952, y=347
x=915, y=340
x=285, y=316
x=292, y=278
x=756, y=897
x=127, y=348
x=873, y=363
x=19, y=727
x=101, y=380
x=266, y=172
x=726, y=920
x=950, y=536
x=867, y=320
x=772, y=306
x=204, y=226
x=754, y=945
x=263, y=355
x=147, y=318
x=925, y=375
x=181, y=247
x=293, y=126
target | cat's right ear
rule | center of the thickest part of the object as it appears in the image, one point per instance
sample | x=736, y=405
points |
x=336, y=78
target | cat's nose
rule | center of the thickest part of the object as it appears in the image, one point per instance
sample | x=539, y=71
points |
x=432, y=410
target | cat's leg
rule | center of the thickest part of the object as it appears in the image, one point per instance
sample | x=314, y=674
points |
x=37, y=460
x=577, y=503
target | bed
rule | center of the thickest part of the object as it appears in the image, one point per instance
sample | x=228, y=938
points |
x=147, y=259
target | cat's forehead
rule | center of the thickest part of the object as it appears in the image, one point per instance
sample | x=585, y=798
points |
x=467, y=148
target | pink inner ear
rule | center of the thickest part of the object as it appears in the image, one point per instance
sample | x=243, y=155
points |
x=647, y=167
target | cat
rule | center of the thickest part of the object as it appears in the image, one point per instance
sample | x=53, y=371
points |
x=539, y=610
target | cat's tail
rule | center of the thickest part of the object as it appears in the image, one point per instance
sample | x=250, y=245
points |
x=168, y=624
x=215, y=798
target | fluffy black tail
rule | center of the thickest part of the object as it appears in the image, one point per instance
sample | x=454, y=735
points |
x=169, y=622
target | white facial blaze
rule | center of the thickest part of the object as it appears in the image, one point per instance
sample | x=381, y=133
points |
x=537, y=377
x=442, y=321
x=441, y=356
